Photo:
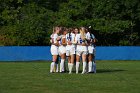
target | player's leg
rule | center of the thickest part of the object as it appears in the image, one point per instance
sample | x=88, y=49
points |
x=84, y=59
x=71, y=63
x=78, y=54
x=54, y=52
x=72, y=58
x=53, y=64
x=62, y=52
x=90, y=63
x=63, y=57
x=57, y=64
x=69, y=58
x=90, y=58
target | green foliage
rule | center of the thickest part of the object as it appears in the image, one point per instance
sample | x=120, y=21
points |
x=30, y=22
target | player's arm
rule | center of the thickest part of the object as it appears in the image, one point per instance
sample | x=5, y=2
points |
x=58, y=38
x=88, y=39
x=93, y=40
x=51, y=40
x=56, y=43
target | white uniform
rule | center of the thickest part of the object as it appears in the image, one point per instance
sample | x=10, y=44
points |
x=54, y=51
x=91, y=48
x=70, y=49
x=62, y=49
x=54, y=48
x=80, y=49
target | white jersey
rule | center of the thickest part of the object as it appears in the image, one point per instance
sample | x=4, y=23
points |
x=90, y=36
x=79, y=42
x=54, y=48
x=54, y=38
x=91, y=48
x=70, y=37
x=70, y=49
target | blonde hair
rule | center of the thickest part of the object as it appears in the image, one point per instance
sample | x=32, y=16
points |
x=83, y=32
x=55, y=28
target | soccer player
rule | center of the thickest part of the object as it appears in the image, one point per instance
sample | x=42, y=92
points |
x=76, y=32
x=70, y=49
x=81, y=50
x=91, y=50
x=62, y=48
x=54, y=48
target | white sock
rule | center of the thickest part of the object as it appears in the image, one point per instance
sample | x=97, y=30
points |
x=71, y=66
x=57, y=67
x=62, y=65
x=52, y=67
x=90, y=67
x=63, y=68
x=84, y=67
x=77, y=67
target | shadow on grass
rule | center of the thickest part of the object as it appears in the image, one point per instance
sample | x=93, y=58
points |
x=109, y=70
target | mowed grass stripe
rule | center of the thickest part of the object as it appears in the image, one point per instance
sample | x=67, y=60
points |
x=34, y=77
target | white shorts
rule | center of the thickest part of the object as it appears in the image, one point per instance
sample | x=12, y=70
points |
x=81, y=50
x=91, y=49
x=70, y=50
x=62, y=50
x=79, y=53
x=54, y=50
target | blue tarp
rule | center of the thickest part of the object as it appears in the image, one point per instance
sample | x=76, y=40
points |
x=24, y=53
x=118, y=53
x=31, y=53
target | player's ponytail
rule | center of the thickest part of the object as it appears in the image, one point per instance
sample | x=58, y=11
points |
x=83, y=32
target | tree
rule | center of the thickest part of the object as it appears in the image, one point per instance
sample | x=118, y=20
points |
x=30, y=22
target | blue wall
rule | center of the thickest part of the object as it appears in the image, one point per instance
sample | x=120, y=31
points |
x=31, y=53
x=24, y=53
x=118, y=53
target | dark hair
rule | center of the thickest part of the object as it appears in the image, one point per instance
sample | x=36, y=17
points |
x=63, y=29
x=76, y=28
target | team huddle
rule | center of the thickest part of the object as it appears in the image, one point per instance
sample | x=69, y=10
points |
x=73, y=44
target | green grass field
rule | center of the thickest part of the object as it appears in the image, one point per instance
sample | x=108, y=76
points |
x=34, y=77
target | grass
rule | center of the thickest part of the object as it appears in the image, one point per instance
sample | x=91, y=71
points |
x=34, y=77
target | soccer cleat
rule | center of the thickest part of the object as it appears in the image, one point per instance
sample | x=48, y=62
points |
x=62, y=72
x=83, y=72
x=70, y=72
